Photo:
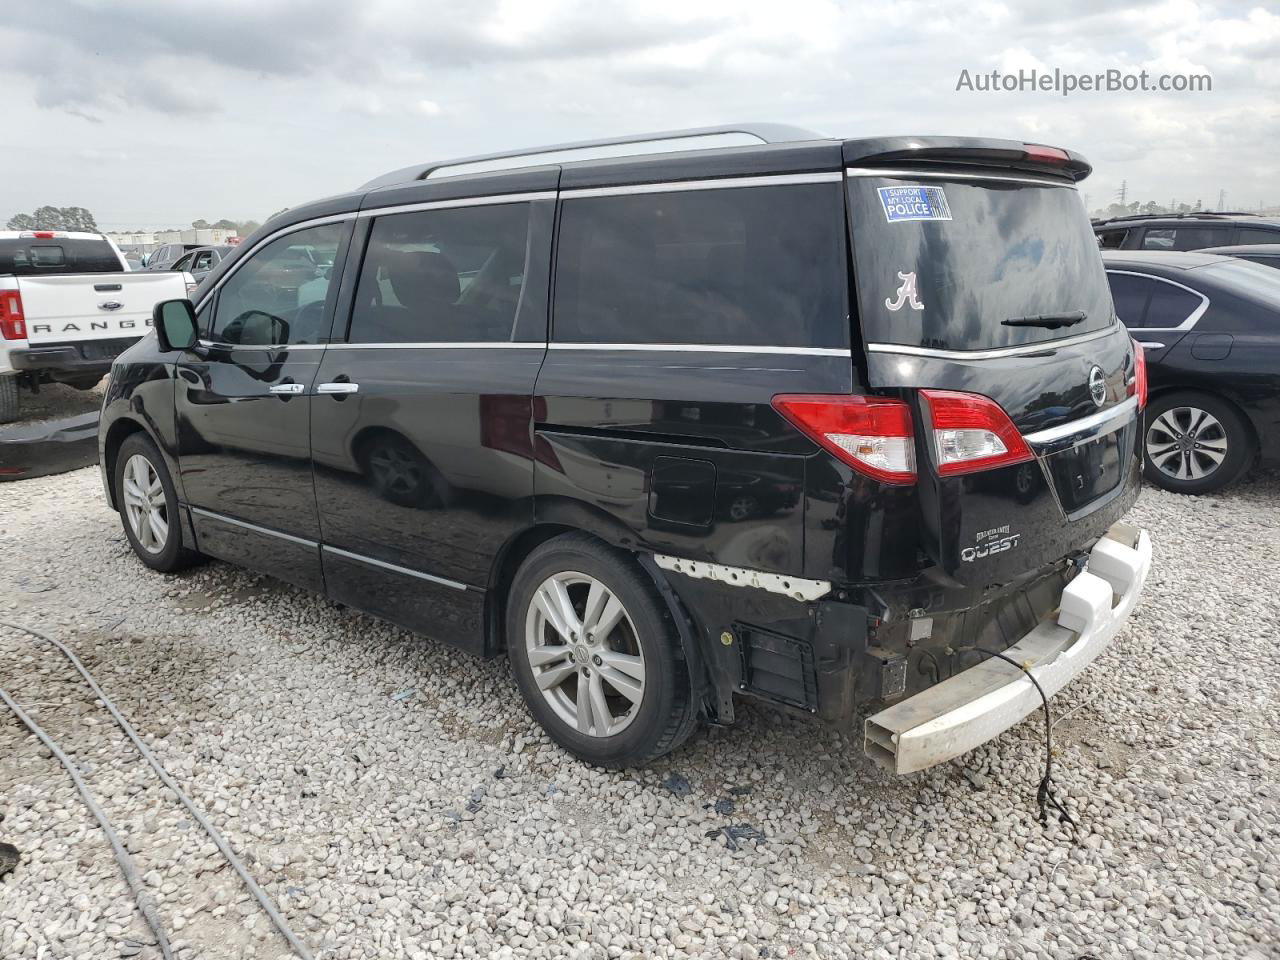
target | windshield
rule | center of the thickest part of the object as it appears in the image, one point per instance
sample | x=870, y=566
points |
x=27, y=257
x=944, y=263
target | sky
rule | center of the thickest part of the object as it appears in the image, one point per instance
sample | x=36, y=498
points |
x=158, y=113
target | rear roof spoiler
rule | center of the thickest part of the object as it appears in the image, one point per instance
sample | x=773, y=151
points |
x=966, y=151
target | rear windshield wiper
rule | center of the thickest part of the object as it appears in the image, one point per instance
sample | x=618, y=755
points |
x=1050, y=320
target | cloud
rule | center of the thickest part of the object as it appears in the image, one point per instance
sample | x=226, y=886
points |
x=267, y=103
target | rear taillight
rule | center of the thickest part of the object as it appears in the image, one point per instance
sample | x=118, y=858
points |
x=971, y=433
x=873, y=435
x=1138, y=385
x=13, y=323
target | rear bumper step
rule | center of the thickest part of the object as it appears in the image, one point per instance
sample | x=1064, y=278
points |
x=960, y=713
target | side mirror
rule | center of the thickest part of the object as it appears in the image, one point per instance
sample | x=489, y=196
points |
x=175, y=325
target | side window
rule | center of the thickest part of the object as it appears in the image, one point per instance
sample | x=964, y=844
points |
x=1184, y=238
x=1170, y=306
x=1131, y=295
x=443, y=276
x=278, y=294
x=735, y=265
x=183, y=263
x=1112, y=239
x=202, y=260
x=1257, y=235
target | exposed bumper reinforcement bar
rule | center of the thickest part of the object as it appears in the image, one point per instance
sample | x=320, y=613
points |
x=960, y=713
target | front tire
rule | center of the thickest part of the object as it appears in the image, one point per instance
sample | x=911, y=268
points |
x=148, y=506
x=596, y=654
x=1195, y=443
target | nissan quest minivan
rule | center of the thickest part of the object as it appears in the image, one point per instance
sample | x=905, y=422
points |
x=739, y=414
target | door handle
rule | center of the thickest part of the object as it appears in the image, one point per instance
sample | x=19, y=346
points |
x=288, y=389
x=1151, y=344
x=339, y=387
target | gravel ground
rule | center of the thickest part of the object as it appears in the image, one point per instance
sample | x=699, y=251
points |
x=397, y=801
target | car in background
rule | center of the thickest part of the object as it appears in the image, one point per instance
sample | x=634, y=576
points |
x=1210, y=327
x=1188, y=231
x=69, y=305
x=201, y=260
x=1267, y=254
x=165, y=256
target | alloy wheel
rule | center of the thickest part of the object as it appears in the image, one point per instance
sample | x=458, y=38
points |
x=144, y=504
x=1186, y=443
x=585, y=654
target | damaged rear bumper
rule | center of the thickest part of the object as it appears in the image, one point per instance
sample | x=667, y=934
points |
x=960, y=713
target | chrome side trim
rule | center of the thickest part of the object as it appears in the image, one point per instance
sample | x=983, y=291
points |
x=480, y=201
x=394, y=568
x=442, y=345
x=702, y=348
x=797, y=588
x=1192, y=317
x=1047, y=346
x=769, y=180
x=264, y=346
x=199, y=511
x=1084, y=429
x=946, y=175
x=273, y=235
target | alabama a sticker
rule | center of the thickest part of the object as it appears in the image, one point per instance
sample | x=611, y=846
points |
x=914, y=203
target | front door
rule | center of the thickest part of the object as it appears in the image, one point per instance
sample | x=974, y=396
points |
x=243, y=408
x=421, y=421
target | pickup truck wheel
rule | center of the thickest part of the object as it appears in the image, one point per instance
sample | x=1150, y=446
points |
x=9, y=403
x=1195, y=443
x=148, y=506
x=596, y=655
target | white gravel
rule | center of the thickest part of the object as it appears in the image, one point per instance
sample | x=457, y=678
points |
x=443, y=824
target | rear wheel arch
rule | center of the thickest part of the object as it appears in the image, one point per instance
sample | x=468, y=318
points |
x=519, y=547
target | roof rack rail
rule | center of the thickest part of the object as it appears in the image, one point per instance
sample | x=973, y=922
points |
x=1192, y=215
x=763, y=132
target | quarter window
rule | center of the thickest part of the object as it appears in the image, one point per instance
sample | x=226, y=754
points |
x=278, y=295
x=740, y=265
x=1145, y=302
x=443, y=276
x=1257, y=235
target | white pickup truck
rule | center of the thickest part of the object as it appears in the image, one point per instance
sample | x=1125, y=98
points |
x=69, y=306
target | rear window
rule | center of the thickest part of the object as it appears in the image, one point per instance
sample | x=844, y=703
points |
x=942, y=263
x=27, y=257
x=749, y=266
x=1248, y=279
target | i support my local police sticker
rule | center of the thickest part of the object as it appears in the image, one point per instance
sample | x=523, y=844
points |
x=914, y=203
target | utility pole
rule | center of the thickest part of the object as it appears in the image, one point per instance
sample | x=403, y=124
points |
x=1124, y=192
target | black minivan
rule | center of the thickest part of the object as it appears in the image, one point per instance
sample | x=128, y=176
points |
x=814, y=422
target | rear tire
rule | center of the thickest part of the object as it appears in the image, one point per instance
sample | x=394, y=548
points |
x=1195, y=443
x=148, y=506
x=612, y=687
x=10, y=405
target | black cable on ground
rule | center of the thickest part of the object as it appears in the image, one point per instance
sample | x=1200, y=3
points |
x=127, y=867
x=264, y=901
x=1045, y=796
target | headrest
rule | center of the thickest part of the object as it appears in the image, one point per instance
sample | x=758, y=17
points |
x=421, y=279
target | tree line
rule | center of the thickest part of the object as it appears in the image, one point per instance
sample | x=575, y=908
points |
x=78, y=219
